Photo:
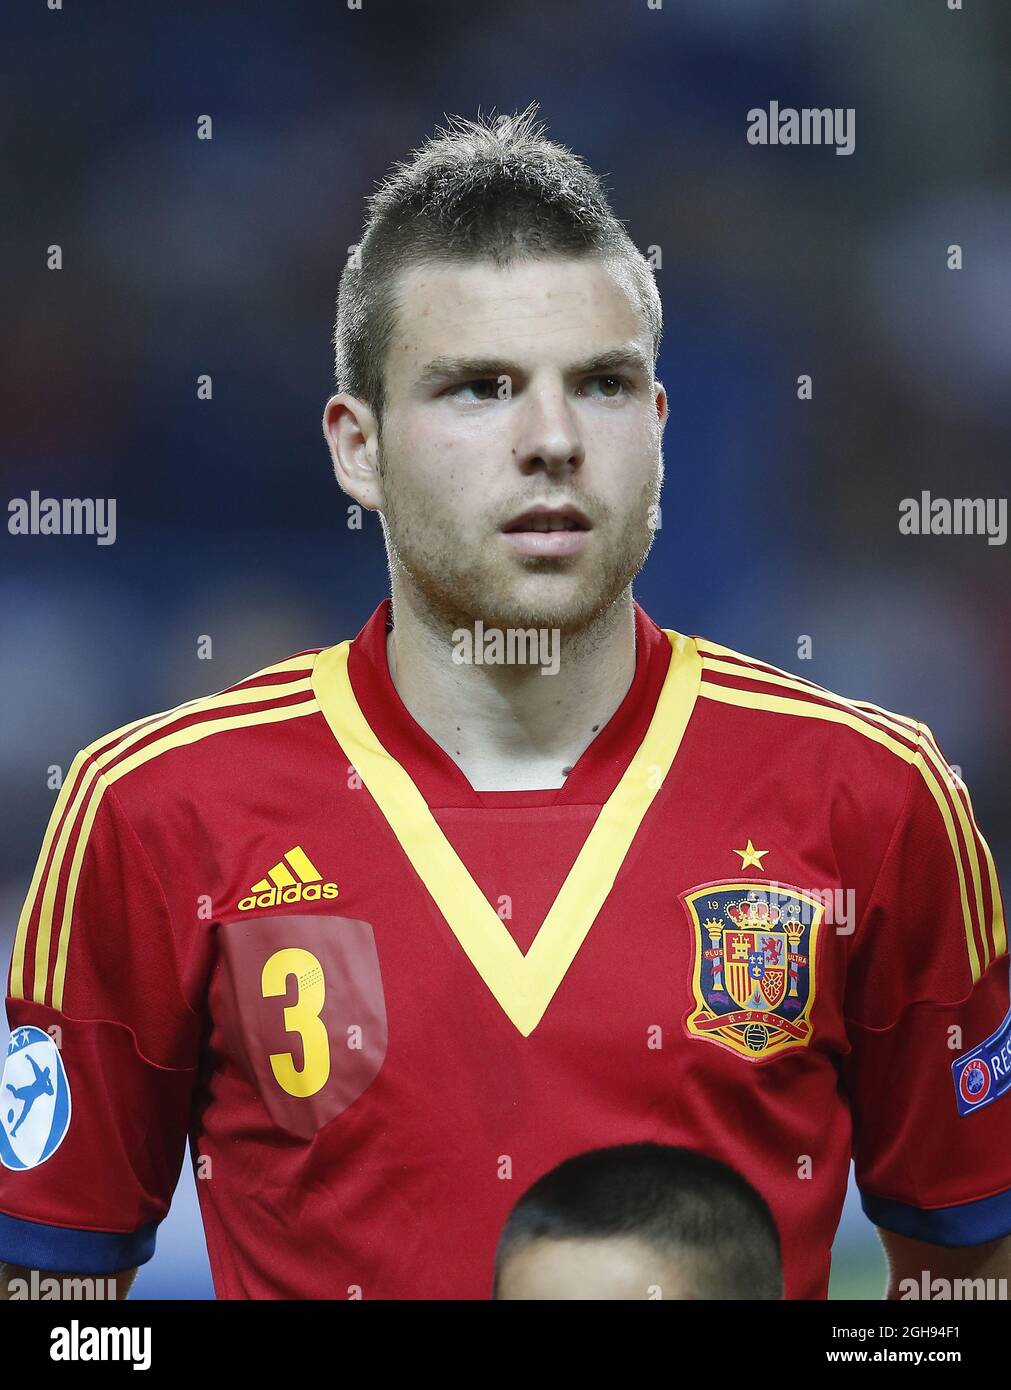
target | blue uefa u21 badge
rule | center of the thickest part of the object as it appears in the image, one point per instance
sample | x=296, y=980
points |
x=34, y=1100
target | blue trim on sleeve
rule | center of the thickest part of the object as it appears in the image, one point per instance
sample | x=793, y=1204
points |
x=969, y=1223
x=64, y=1251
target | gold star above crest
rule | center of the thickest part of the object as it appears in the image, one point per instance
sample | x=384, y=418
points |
x=751, y=855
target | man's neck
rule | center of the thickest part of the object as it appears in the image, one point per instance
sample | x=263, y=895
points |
x=509, y=727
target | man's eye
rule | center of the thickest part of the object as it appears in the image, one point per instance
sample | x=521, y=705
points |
x=484, y=388
x=611, y=382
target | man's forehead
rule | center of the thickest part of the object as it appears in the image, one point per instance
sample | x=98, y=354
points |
x=468, y=299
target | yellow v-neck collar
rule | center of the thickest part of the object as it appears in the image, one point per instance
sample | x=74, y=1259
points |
x=523, y=985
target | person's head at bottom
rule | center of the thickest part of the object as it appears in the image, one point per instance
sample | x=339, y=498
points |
x=639, y=1221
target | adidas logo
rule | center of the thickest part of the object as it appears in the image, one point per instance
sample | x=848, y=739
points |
x=294, y=880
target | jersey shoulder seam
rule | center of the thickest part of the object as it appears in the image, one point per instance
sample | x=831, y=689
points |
x=277, y=692
x=773, y=689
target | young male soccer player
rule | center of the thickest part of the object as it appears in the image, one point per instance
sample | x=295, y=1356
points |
x=388, y=932
x=639, y=1221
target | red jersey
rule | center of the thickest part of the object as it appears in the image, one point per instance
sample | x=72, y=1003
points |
x=758, y=920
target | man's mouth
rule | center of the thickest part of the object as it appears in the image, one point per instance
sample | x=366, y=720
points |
x=549, y=519
x=548, y=531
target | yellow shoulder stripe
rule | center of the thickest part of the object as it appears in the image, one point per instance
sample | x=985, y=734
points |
x=928, y=763
x=88, y=796
x=893, y=721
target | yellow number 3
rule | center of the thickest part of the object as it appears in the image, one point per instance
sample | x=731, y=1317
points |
x=302, y=1017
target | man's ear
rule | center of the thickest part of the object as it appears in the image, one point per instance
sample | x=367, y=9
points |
x=661, y=404
x=351, y=431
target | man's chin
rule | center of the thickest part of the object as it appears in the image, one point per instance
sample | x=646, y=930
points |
x=570, y=601
x=545, y=603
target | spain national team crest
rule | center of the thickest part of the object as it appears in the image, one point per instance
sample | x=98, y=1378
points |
x=752, y=965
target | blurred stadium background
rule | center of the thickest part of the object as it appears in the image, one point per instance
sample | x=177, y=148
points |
x=780, y=517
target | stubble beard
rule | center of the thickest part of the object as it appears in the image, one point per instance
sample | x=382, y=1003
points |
x=456, y=584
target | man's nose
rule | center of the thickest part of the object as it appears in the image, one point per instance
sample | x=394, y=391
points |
x=550, y=437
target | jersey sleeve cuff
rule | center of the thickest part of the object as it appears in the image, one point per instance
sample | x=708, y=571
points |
x=968, y=1223
x=66, y=1251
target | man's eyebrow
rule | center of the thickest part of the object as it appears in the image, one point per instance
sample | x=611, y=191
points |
x=614, y=359
x=440, y=367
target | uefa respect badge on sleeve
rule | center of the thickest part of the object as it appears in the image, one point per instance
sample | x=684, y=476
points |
x=983, y=1074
